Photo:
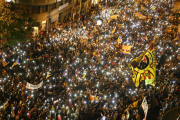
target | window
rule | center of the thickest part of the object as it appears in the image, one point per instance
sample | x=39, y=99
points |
x=61, y=2
x=35, y=9
x=53, y=6
x=44, y=8
x=66, y=1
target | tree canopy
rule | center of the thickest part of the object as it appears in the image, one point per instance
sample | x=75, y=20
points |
x=16, y=24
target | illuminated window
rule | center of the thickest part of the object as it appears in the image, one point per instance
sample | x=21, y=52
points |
x=44, y=22
x=10, y=0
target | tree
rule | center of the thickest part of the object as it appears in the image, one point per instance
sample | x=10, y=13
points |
x=16, y=24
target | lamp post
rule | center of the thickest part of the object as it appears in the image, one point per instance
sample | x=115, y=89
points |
x=80, y=9
x=49, y=23
x=78, y=19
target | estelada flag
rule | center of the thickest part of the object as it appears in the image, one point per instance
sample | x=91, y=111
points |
x=4, y=63
x=48, y=74
x=16, y=62
x=144, y=67
x=119, y=40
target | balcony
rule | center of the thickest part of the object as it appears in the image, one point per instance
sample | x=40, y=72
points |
x=38, y=2
x=77, y=3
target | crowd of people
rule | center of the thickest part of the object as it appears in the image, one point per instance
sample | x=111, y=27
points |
x=80, y=60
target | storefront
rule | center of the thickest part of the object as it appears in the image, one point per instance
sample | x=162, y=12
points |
x=43, y=24
x=36, y=29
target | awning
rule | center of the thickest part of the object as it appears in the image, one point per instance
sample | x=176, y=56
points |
x=54, y=18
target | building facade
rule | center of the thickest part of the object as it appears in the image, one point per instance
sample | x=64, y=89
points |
x=51, y=12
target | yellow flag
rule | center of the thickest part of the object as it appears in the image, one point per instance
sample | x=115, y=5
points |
x=114, y=30
x=153, y=7
x=130, y=106
x=74, y=30
x=126, y=49
x=175, y=39
x=134, y=104
x=84, y=76
x=109, y=20
x=94, y=53
x=144, y=67
x=94, y=28
x=113, y=16
x=95, y=98
x=120, y=25
x=142, y=7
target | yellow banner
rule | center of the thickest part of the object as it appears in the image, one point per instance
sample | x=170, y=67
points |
x=126, y=49
x=139, y=15
x=120, y=25
x=113, y=16
x=144, y=67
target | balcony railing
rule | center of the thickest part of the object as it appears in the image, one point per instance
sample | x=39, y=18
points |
x=37, y=2
x=77, y=3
